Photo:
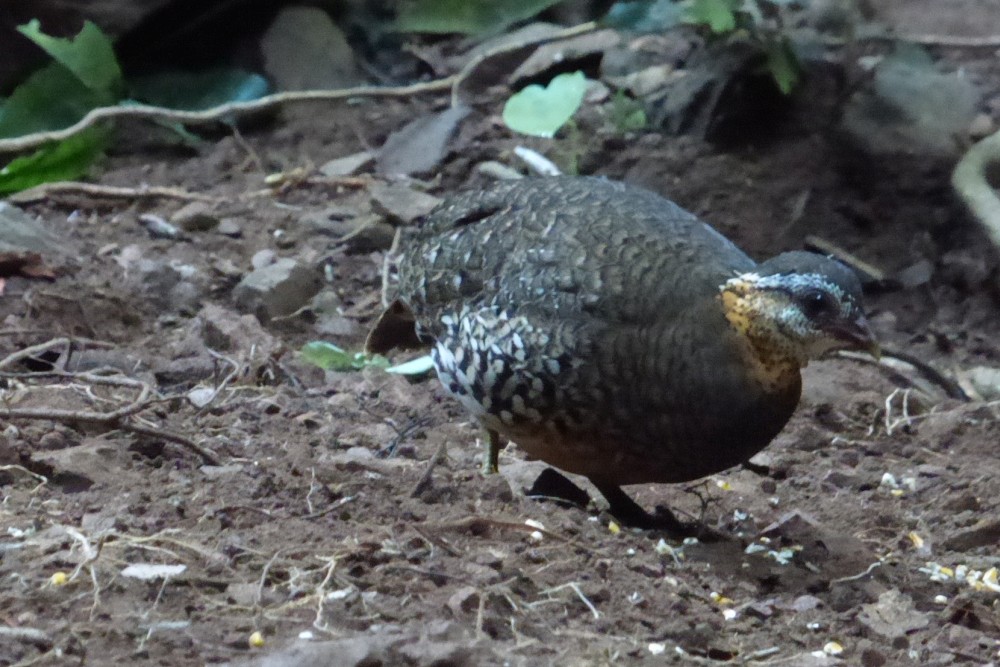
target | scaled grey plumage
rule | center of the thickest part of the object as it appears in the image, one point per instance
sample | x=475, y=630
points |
x=581, y=318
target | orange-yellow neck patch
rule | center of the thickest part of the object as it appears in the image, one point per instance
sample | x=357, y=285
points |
x=775, y=360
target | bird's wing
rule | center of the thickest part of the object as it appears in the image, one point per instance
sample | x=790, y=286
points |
x=571, y=246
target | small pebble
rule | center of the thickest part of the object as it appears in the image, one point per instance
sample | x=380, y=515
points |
x=262, y=258
x=159, y=228
x=229, y=227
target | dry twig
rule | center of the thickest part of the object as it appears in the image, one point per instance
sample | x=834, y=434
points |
x=216, y=114
x=41, y=479
x=950, y=387
x=230, y=110
x=90, y=555
x=118, y=418
x=46, y=190
x=34, y=351
x=425, y=479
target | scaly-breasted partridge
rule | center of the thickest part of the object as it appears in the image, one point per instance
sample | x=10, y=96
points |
x=610, y=333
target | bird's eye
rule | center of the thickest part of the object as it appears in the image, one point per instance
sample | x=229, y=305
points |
x=816, y=303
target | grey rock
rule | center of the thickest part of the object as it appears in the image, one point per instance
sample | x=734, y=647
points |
x=229, y=227
x=326, y=307
x=303, y=49
x=362, y=233
x=794, y=523
x=420, y=145
x=841, y=480
x=159, y=228
x=917, y=274
x=225, y=331
x=368, y=234
x=401, y=203
x=347, y=165
x=332, y=221
x=199, y=397
x=986, y=381
x=804, y=603
x=911, y=108
x=893, y=615
x=20, y=232
x=985, y=533
x=171, y=287
x=278, y=289
x=187, y=370
x=195, y=217
x=185, y=298
x=262, y=258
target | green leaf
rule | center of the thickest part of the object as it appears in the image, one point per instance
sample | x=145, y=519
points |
x=644, y=15
x=418, y=366
x=51, y=98
x=470, y=17
x=332, y=358
x=627, y=114
x=89, y=56
x=194, y=91
x=718, y=15
x=782, y=64
x=540, y=112
x=58, y=161
x=85, y=75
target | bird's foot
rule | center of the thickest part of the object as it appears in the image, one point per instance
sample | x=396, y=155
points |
x=757, y=469
x=630, y=514
x=553, y=485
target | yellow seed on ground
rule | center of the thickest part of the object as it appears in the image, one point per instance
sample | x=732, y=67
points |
x=916, y=539
x=256, y=640
x=833, y=648
x=614, y=528
x=719, y=599
x=59, y=579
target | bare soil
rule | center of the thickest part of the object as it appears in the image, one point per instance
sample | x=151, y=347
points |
x=345, y=519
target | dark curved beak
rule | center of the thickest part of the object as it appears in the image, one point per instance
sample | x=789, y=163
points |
x=857, y=335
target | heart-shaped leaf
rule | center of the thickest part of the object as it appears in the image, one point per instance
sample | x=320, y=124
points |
x=541, y=111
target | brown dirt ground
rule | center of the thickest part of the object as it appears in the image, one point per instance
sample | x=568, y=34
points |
x=347, y=520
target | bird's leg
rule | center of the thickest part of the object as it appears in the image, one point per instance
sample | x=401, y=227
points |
x=628, y=512
x=757, y=469
x=491, y=462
